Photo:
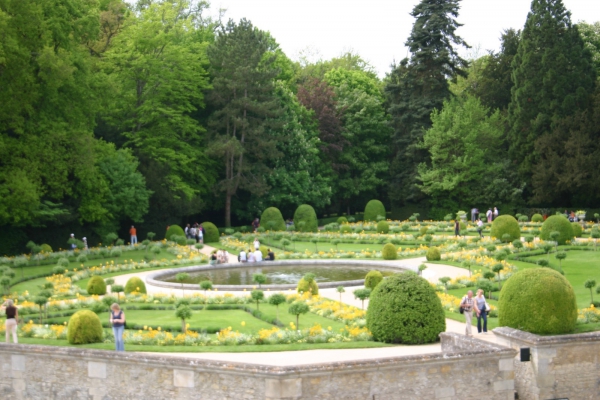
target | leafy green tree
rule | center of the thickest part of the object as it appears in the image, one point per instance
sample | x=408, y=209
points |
x=590, y=284
x=245, y=107
x=418, y=86
x=259, y=278
x=181, y=278
x=257, y=295
x=362, y=294
x=277, y=299
x=553, y=77
x=297, y=308
x=590, y=33
x=183, y=312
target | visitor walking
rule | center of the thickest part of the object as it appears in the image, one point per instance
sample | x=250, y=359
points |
x=72, y=241
x=480, y=227
x=199, y=235
x=12, y=316
x=489, y=215
x=467, y=305
x=117, y=319
x=133, y=234
x=481, y=310
x=255, y=224
x=256, y=244
x=495, y=213
x=474, y=212
x=186, y=230
x=456, y=228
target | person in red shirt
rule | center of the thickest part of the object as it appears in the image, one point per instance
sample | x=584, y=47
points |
x=133, y=234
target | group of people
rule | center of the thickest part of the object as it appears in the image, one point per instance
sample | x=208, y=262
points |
x=491, y=214
x=195, y=231
x=477, y=305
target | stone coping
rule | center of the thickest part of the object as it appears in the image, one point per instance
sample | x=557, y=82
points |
x=538, y=340
x=151, y=279
x=482, y=350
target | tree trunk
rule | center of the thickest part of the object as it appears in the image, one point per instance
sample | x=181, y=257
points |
x=183, y=326
x=227, y=210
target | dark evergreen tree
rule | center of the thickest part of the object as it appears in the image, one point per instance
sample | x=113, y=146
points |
x=553, y=78
x=418, y=86
x=245, y=109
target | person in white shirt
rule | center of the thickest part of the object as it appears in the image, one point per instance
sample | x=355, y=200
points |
x=243, y=258
x=489, y=215
x=258, y=256
x=250, y=257
x=256, y=244
x=480, y=227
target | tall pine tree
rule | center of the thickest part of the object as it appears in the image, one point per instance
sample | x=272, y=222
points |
x=418, y=86
x=553, y=78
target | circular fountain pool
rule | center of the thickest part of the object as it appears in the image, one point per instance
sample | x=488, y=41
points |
x=280, y=274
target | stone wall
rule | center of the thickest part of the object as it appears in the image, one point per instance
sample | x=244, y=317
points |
x=466, y=369
x=565, y=366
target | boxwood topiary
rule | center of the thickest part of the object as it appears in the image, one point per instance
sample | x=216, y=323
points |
x=433, y=254
x=505, y=225
x=96, y=285
x=342, y=220
x=211, y=234
x=345, y=229
x=383, y=227
x=373, y=209
x=305, y=219
x=135, y=284
x=405, y=309
x=272, y=219
x=84, y=327
x=389, y=252
x=577, y=229
x=557, y=223
x=373, y=279
x=174, y=230
x=537, y=218
x=538, y=300
x=308, y=286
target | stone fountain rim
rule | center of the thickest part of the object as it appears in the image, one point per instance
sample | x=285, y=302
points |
x=151, y=278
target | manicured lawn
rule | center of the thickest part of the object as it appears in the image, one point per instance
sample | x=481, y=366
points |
x=306, y=320
x=212, y=349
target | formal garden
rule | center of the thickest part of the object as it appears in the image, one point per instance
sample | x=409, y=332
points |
x=525, y=265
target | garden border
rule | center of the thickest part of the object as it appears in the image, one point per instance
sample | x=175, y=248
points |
x=151, y=278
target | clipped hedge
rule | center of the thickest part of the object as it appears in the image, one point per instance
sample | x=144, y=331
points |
x=271, y=219
x=84, y=327
x=383, y=227
x=304, y=286
x=211, y=234
x=373, y=279
x=305, y=219
x=96, y=285
x=505, y=224
x=404, y=308
x=433, y=254
x=135, y=284
x=389, y=252
x=560, y=224
x=174, y=230
x=577, y=229
x=373, y=209
x=538, y=300
x=537, y=218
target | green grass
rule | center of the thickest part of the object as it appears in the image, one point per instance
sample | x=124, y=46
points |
x=212, y=349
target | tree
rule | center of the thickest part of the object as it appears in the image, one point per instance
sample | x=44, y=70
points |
x=590, y=33
x=181, y=278
x=297, y=308
x=245, y=108
x=183, y=312
x=445, y=280
x=590, y=284
x=117, y=289
x=553, y=77
x=259, y=278
x=277, y=299
x=340, y=290
x=498, y=270
x=362, y=294
x=257, y=295
x=416, y=87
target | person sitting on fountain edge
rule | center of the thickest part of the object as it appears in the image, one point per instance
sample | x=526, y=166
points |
x=270, y=255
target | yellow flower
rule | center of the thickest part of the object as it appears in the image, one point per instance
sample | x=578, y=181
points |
x=243, y=323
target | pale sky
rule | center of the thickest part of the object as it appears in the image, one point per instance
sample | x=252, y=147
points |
x=378, y=29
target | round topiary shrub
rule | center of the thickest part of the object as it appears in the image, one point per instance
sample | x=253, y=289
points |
x=557, y=223
x=211, y=232
x=577, y=229
x=383, y=227
x=308, y=286
x=46, y=248
x=271, y=219
x=433, y=254
x=345, y=229
x=373, y=209
x=405, y=309
x=135, y=284
x=174, y=230
x=305, y=219
x=505, y=225
x=538, y=300
x=96, y=285
x=389, y=252
x=84, y=327
x=373, y=279
x=537, y=218
x=342, y=220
